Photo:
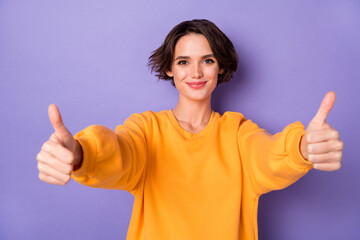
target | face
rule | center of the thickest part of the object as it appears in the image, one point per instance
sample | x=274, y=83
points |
x=194, y=69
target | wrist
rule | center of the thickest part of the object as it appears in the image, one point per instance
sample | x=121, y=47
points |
x=78, y=156
x=303, y=148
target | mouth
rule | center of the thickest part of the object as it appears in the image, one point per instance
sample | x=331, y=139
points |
x=196, y=85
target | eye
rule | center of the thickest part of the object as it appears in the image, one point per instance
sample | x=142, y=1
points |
x=209, y=60
x=182, y=62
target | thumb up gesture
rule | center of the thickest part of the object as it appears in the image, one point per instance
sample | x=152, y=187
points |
x=59, y=154
x=321, y=144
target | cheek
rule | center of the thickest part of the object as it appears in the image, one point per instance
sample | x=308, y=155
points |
x=180, y=74
x=213, y=73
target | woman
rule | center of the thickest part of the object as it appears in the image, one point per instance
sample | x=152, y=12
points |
x=194, y=173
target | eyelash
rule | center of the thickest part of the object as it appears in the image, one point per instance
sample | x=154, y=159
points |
x=183, y=62
x=209, y=61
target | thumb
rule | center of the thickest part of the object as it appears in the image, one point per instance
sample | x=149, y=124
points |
x=58, y=125
x=324, y=109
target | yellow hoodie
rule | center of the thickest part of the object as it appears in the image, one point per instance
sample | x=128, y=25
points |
x=191, y=186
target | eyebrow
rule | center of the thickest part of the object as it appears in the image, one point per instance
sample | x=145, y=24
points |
x=186, y=57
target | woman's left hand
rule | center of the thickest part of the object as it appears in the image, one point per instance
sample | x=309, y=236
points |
x=321, y=144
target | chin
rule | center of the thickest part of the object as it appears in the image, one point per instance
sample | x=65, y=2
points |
x=198, y=96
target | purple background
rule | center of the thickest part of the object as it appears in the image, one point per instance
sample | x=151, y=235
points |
x=89, y=57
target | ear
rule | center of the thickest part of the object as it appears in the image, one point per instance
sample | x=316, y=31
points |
x=221, y=71
x=169, y=73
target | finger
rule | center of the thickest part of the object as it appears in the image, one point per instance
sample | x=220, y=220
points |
x=46, y=170
x=327, y=166
x=322, y=135
x=54, y=163
x=61, y=153
x=55, y=139
x=325, y=147
x=325, y=157
x=49, y=179
x=325, y=108
x=57, y=122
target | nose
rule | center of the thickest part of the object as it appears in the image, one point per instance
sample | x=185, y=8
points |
x=196, y=71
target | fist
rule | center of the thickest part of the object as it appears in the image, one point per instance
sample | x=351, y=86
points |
x=59, y=154
x=321, y=144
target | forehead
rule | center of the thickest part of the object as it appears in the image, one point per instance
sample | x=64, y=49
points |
x=192, y=45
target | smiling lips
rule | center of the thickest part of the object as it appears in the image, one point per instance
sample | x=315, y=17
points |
x=196, y=85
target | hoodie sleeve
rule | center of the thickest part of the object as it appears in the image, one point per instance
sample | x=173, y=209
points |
x=113, y=160
x=272, y=162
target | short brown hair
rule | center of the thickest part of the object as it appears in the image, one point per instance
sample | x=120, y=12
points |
x=162, y=58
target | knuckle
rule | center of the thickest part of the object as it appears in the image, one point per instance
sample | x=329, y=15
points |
x=43, y=147
x=337, y=166
x=339, y=155
x=54, y=138
x=42, y=177
x=65, y=169
x=67, y=179
x=43, y=158
x=341, y=145
x=337, y=145
x=39, y=156
x=69, y=169
x=40, y=167
x=46, y=146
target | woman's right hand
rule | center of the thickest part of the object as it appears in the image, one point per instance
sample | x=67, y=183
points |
x=60, y=154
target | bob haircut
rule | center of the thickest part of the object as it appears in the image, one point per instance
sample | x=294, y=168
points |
x=162, y=58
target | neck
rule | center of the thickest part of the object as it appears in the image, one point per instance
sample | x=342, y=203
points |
x=195, y=113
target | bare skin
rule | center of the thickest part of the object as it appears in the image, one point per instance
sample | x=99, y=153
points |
x=60, y=155
x=194, y=62
x=192, y=121
x=321, y=144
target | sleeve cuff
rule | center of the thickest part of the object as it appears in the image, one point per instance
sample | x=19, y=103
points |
x=88, y=144
x=293, y=147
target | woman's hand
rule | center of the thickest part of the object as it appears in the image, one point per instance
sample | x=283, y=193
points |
x=321, y=144
x=59, y=154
